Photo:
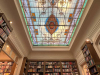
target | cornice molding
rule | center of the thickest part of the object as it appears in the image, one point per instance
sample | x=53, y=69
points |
x=80, y=58
x=22, y=20
x=14, y=40
x=95, y=32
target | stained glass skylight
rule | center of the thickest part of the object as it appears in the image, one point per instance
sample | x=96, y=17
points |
x=52, y=22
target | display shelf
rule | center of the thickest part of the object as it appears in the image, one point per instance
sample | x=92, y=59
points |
x=36, y=67
x=53, y=67
x=91, y=58
x=69, y=68
x=6, y=67
x=5, y=29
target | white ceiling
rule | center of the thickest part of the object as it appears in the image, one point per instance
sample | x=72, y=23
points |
x=11, y=9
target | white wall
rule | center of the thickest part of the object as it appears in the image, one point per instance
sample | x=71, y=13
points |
x=50, y=55
x=3, y=56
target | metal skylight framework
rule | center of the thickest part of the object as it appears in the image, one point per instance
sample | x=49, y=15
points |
x=52, y=22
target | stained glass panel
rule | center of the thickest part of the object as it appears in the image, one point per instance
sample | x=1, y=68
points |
x=52, y=22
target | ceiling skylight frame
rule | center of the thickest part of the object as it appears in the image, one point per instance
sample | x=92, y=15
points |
x=72, y=32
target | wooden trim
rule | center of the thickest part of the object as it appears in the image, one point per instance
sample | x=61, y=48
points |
x=13, y=68
x=6, y=60
x=51, y=60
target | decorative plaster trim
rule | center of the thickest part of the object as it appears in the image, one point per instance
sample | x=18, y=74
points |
x=16, y=43
x=23, y=21
x=95, y=31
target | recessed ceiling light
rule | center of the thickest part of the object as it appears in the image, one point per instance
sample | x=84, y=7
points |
x=87, y=40
x=7, y=46
x=10, y=22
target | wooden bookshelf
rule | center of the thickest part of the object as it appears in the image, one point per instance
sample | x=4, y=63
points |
x=5, y=29
x=53, y=67
x=24, y=68
x=91, y=58
x=7, y=67
x=36, y=68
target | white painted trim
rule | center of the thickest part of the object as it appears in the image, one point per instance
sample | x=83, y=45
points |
x=16, y=44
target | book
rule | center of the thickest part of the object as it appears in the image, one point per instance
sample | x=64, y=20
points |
x=1, y=20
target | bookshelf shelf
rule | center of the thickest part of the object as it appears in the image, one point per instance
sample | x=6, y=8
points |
x=50, y=68
x=6, y=67
x=5, y=29
x=91, y=58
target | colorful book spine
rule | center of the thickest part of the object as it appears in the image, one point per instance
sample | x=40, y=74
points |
x=1, y=20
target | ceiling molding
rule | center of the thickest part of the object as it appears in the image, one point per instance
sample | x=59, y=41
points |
x=95, y=31
x=22, y=20
x=14, y=40
x=80, y=58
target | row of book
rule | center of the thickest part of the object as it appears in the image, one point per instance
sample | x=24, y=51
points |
x=88, y=58
x=39, y=66
x=49, y=63
x=72, y=66
x=85, y=55
x=5, y=68
x=87, y=52
x=69, y=74
x=56, y=66
x=1, y=42
x=52, y=74
x=31, y=70
x=56, y=63
x=34, y=74
x=6, y=63
x=56, y=70
x=67, y=70
x=4, y=73
x=35, y=70
x=91, y=62
x=33, y=63
x=52, y=66
x=75, y=70
x=93, y=70
x=66, y=66
x=40, y=63
x=3, y=25
x=85, y=48
x=1, y=20
x=6, y=30
x=49, y=70
x=52, y=63
x=36, y=63
x=68, y=63
x=3, y=34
